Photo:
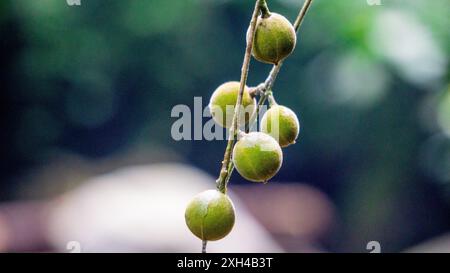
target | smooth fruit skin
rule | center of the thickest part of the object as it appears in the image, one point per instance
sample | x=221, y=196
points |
x=288, y=126
x=226, y=95
x=210, y=215
x=257, y=157
x=275, y=39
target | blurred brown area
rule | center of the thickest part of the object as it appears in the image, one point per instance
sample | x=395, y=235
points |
x=298, y=216
x=23, y=226
x=294, y=217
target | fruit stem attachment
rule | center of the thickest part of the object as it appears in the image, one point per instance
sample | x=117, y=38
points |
x=265, y=12
x=226, y=168
x=271, y=98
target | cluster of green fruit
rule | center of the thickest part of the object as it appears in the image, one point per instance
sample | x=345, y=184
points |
x=257, y=156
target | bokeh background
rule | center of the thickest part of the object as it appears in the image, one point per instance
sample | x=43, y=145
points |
x=87, y=91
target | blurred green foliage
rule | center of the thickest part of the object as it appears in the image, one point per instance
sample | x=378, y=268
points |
x=369, y=83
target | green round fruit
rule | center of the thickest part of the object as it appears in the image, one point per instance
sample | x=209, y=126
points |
x=257, y=157
x=210, y=215
x=275, y=38
x=282, y=124
x=223, y=102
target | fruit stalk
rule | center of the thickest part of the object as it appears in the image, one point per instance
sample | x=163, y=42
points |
x=264, y=9
x=226, y=169
x=204, y=242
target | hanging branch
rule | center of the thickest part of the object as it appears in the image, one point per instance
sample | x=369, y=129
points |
x=225, y=170
x=262, y=89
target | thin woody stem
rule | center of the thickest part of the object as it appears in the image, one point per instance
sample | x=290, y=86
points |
x=301, y=14
x=226, y=169
x=204, y=242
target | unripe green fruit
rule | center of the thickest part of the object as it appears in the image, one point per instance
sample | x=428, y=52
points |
x=210, y=215
x=225, y=96
x=282, y=124
x=275, y=38
x=257, y=157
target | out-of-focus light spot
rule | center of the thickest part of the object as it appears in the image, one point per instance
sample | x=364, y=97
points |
x=357, y=81
x=443, y=114
x=408, y=45
x=145, y=214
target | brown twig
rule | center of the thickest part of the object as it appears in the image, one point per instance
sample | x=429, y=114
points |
x=225, y=169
